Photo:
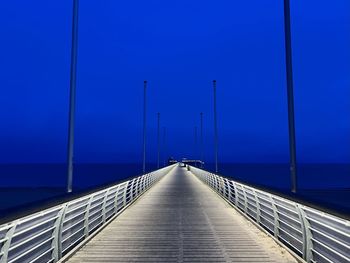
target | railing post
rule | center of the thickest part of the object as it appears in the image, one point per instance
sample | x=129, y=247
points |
x=227, y=182
x=216, y=182
x=57, y=234
x=212, y=181
x=116, y=200
x=245, y=200
x=136, y=187
x=257, y=207
x=141, y=184
x=145, y=178
x=125, y=193
x=208, y=179
x=236, y=194
x=104, y=206
x=146, y=181
x=132, y=189
x=275, y=217
x=222, y=186
x=307, y=235
x=6, y=246
x=153, y=178
x=138, y=183
x=87, y=214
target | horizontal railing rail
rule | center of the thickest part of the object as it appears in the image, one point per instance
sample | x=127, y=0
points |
x=48, y=235
x=313, y=235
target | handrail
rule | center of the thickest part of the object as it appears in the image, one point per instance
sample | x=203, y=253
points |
x=47, y=235
x=12, y=213
x=313, y=235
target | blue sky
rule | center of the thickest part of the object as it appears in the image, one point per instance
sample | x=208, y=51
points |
x=179, y=47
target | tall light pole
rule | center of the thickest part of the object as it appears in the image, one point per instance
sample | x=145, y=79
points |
x=215, y=129
x=72, y=95
x=201, y=142
x=158, y=141
x=290, y=95
x=195, y=142
x=144, y=126
x=164, y=145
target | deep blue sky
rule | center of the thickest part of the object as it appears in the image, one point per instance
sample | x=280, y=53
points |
x=179, y=47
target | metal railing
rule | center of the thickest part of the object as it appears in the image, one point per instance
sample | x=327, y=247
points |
x=48, y=235
x=313, y=235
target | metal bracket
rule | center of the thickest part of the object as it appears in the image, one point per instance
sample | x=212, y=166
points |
x=275, y=217
x=245, y=200
x=307, y=235
x=116, y=199
x=57, y=234
x=258, y=213
x=87, y=214
x=7, y=244
x=104, y=206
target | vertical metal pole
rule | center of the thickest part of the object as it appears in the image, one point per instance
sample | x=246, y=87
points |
x=158, y=142
x=195, y=144
x=202, y=149
x=215, y=129
x=164, y=145
x=144, y=126
x=290, y=95
x=73, y=74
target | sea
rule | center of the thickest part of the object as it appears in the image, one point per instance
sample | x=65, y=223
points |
x=325, y=185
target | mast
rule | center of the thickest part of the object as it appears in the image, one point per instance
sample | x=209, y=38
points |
x=290, y=96
x=158, y=141
x=195, y=143
x=164, y=146
x=201, y=141
x=215, y=129
x=144, y=126
x=72, y=95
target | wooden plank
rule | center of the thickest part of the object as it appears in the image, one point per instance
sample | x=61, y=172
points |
x=181, y=220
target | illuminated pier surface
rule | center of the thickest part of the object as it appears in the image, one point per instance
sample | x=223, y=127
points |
x=180, y=219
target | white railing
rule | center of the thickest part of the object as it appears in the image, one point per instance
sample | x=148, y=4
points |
x=48, y=235
x=313, y=235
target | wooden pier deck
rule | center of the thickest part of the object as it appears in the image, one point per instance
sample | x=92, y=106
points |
x=181, y=219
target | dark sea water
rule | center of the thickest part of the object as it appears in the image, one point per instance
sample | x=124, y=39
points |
x=27, y=183
x=327, y=185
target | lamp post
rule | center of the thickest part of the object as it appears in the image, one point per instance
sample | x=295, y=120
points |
x=164, y=146
x=158, y=141
x=215, y=129
x=290, y=96
x=195, y=143
x=201, y=141
x=144, y=126
x=72, y=95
